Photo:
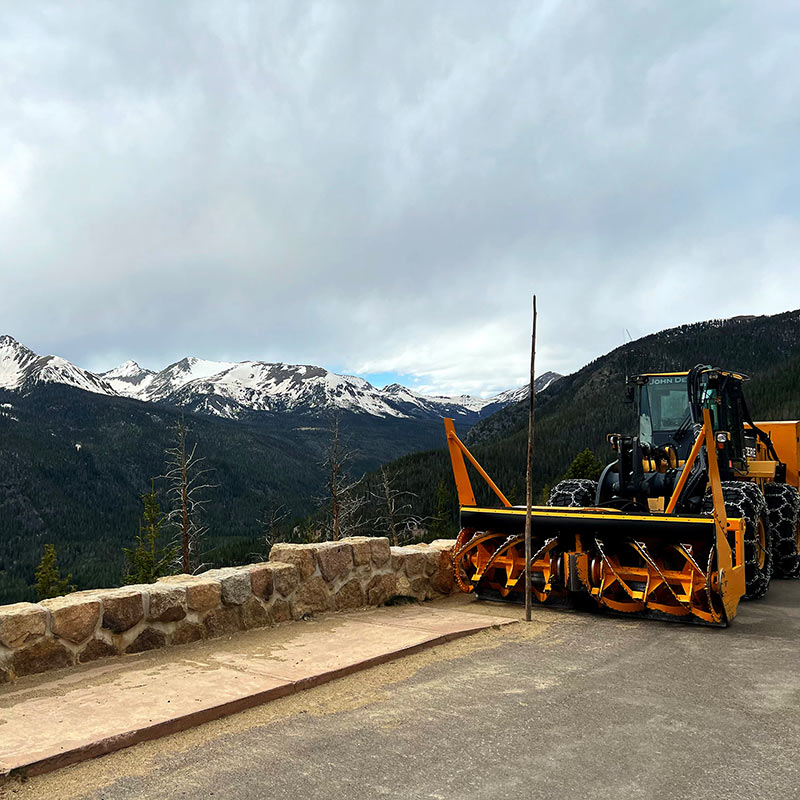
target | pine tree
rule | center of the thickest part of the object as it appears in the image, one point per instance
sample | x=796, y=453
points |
x=585, y=465
x=442, y=521
x=149, y=559
x=49, y=582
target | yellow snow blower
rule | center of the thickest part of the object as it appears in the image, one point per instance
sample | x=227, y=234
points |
x=693, y=515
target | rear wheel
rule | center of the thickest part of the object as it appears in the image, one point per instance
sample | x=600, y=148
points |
x=573, y=493
x=783, y=509
x=745, y=501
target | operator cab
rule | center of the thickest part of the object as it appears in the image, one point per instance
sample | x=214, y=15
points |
x=669, y=410
x=663, y=410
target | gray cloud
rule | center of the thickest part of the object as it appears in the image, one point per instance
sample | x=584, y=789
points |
x=380, y=187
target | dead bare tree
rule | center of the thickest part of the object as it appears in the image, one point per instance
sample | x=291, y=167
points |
x=343, y=501
x=396, y=516
x=185, y=483
x=270, y=525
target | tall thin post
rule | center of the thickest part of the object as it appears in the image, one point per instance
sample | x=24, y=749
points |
x=528, y=486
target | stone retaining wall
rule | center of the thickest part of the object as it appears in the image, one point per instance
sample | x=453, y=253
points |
x=298, y=580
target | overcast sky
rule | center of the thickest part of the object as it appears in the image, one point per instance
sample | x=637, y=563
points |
x=379, y=187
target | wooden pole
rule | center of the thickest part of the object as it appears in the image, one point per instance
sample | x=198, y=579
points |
x=528, y=487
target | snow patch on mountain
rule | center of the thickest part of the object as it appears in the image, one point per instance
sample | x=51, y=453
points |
x=128, y=378
x=231, y=390
x=177, y=375
x=541, y=382
x=21, y=369
x=283, y=387
x=463, y=403
x=15, y=362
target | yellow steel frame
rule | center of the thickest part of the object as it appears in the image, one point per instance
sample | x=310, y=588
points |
x=608, y=578
x=458, y=450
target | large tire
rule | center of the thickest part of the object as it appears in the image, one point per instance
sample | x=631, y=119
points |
x=573, y=493
x=783, y=509
x=746, y=501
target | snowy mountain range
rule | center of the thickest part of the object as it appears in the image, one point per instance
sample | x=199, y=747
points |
x=233, y=389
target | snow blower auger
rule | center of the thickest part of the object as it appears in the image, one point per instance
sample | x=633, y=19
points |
x=680, y=527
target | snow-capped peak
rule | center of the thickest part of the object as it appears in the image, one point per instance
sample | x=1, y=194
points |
x=231, y=389
x=128, y=379
x=176, y=376
x=21, y=369
x=263, y=386
x=130, y=369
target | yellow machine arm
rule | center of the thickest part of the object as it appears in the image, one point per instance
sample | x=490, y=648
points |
x=458, y=450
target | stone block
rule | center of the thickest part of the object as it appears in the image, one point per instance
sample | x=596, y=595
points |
x=310, y=597
x=381, y=589
x=222, y=621
x=417, y=588
x=148, y=639
x=381, y=551
x=280, y=611
x=335, y=559
x=96, y=648
x=261, y=580
x=443, y=544
x=236, y=588
x=41, y=656
x=300, y=555
x=285, y=577
x=182, y=578
x=203, y=594
x=122, y=609
x=433, y=558
x=415, y=559
x=362, y=551
x=350, y=596
x=443, y=580
x=254, y=615
x=167, y=603
x=187, y=632
x=21, y=622
x=73, y=618
x=431, y=563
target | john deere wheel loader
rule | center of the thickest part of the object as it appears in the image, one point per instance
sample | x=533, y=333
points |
x=697, y=511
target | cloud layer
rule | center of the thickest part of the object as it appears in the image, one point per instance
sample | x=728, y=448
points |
x=380, y=187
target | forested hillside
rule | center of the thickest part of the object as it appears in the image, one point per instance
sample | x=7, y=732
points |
x=74, y=464
x=580, y=409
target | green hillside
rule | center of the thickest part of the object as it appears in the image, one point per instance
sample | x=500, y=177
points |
x=85, y=499
x=75, y=463
x=580, y=409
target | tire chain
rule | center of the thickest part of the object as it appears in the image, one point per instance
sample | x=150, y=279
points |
x=573, y=493
x=783, y=509
x=746, y=501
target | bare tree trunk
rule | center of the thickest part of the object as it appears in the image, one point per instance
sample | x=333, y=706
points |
x=184, y=500
x=335, y=466
x=390, y=506
x=342, y=500
x=529, y=471
x=185, y=480
x=395, y=512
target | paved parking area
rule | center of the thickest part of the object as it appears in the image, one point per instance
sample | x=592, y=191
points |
x=570, y=706
x=55, y=719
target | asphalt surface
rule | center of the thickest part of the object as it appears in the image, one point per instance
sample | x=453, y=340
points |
x=570, y=706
